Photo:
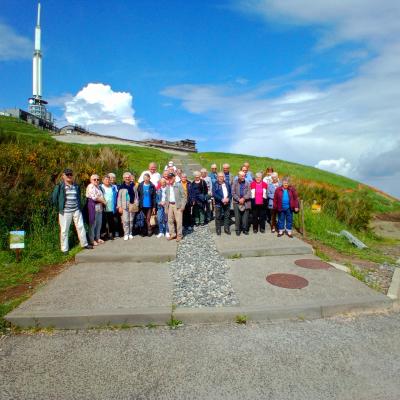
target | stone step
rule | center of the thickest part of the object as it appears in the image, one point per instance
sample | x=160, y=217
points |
x=258, y=245
x=140, y=249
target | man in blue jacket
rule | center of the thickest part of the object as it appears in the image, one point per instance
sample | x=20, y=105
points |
x=222, y=196
x=67, y=198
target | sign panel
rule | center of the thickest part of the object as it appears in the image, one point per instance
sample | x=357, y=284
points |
x=17, y=239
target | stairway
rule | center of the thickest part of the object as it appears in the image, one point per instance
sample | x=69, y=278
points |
x=187, y=164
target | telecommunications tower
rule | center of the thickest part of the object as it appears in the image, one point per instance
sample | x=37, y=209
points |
x=37, y=106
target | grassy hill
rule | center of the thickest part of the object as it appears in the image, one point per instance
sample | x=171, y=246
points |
x=346, y=203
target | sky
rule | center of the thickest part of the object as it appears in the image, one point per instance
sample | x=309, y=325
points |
x=314, y=82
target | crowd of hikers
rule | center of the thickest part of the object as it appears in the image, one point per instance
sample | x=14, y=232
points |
x=169, y=205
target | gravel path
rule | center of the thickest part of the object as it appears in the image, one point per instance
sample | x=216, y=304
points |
x=200, y=274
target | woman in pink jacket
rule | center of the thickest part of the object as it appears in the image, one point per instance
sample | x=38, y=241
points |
x=259, y=203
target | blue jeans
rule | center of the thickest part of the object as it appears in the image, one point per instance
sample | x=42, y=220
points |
x=285, y=216
x=162, y=220
x=95, y=228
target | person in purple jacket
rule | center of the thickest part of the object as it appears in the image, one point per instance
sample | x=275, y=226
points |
x=285, y=202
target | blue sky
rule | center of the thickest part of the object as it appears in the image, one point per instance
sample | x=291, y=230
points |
x=311, y=82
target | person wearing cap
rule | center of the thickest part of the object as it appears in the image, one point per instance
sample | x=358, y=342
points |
x=154, y=175
x=268, y=175
x=175, y=202
x=96, y=203
x=169, y=166
x=66, y=198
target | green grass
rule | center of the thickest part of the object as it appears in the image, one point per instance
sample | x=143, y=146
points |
x=283, y=167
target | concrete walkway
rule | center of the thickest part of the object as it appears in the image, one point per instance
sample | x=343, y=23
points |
x=128, y=282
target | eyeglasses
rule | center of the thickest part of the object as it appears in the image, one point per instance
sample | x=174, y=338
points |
x=95, y=179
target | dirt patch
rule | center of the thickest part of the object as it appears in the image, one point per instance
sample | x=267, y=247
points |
x=393, y=217
x=387, y=229
x=44, y=275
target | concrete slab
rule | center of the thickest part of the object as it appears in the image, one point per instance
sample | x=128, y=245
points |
x=101, y=293
x=394, y=289
x=331, y=290
x=140, y=249
x=258, y=245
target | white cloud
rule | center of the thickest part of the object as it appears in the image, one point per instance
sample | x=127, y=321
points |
x=340, y=166
x=368, y=21
x=338, y=125
x=102, y=110
x=14, y=46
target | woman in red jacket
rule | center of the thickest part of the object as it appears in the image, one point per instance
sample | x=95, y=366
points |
x=286, y=202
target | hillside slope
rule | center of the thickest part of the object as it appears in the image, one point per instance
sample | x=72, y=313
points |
x=31, y=162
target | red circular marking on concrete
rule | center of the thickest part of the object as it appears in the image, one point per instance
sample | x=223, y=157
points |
x=287, y=281
x=312, y=264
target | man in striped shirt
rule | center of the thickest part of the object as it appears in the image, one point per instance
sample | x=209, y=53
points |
x=67, y=198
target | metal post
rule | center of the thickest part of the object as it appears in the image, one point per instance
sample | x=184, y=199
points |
x=303, y=227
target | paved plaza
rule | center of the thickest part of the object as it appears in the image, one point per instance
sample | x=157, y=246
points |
x=129, y=282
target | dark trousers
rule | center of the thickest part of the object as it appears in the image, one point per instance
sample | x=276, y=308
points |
x=268, y=210
x=199, y=213
x=108, y=226
x=259, y=213
x=208, y=210
x=187, y=216
x=147, y=215
x=241, y=219
x=273, y=218
x=222, y=213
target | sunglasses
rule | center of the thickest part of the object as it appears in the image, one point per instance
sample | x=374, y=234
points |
x=95, y=179
x=68, y=174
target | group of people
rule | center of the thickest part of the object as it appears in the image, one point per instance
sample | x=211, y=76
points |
x=170, y=205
